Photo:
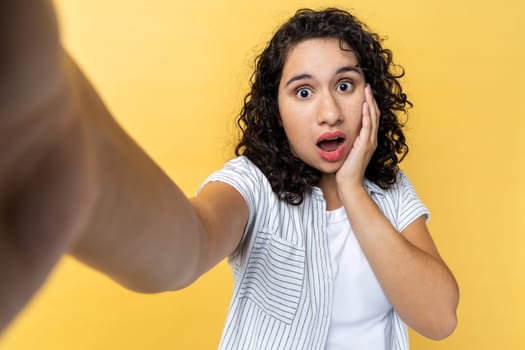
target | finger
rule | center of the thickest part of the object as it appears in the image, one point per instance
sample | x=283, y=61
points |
x=366, y=126
x=374, y=114
x=371, y=99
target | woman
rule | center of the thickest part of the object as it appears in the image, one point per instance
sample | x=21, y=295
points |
x=88, y=188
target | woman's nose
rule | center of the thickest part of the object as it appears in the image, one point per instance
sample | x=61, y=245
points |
x=329, y=111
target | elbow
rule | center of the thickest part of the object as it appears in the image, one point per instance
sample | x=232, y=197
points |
x=157, y=281
x=442, y=328
x=441, y=319
x=150, y=286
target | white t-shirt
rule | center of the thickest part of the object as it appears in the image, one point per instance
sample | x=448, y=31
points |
x=360, y=307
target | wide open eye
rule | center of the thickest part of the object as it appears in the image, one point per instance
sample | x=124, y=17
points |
x=303, y=93
x=344, y=86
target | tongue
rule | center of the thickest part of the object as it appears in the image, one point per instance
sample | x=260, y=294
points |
x=328, y=145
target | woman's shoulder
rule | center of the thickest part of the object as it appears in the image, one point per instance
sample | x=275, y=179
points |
x=399, y=202
x=241, y=162
x=243, y=175
x=242, y=166
x=401, y=183
x=396, y=196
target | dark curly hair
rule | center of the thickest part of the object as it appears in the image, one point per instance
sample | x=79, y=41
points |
x=263, y=140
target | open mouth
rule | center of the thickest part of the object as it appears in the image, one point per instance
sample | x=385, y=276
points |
x=330, y=144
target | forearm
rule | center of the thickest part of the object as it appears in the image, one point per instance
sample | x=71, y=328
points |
x=71, y=179
x=143, y=231
x=418, y=284
x=69, y=174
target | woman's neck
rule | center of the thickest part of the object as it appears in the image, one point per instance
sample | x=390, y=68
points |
x=328, y=185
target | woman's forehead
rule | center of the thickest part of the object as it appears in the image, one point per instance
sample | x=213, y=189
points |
x=317, y=51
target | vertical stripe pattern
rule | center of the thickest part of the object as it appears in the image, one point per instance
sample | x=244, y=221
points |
x=282, y=297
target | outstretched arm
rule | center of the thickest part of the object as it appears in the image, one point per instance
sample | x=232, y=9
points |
x=72, y=180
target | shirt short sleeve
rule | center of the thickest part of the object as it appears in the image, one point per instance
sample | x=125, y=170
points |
x=410, y=206
x=246, y=178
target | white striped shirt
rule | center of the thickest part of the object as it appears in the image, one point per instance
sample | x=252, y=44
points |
x=283, y=289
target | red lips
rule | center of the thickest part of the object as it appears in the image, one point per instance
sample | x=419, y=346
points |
x=331, y=146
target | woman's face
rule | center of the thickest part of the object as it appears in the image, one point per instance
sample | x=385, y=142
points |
x=320, y=99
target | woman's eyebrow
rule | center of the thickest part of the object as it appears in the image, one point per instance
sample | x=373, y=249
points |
x=345, y=69
x=298, y=77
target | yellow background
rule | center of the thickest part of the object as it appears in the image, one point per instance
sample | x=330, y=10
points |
x=174, y=74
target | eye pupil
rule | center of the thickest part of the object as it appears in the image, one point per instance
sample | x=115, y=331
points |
x=303, y=93
x=343, y=86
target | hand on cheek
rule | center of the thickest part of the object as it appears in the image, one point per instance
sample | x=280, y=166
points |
x=353, y=169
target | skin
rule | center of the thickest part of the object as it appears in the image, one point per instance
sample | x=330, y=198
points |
x=74, y=191
x=322, y=90
x=408, y=266
x=46, y=188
